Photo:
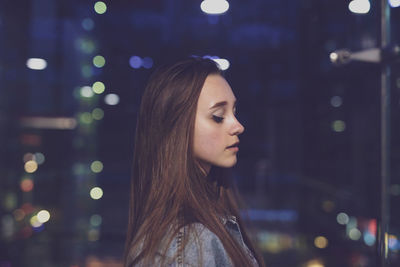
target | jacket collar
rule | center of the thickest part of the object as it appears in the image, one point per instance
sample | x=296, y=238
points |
x=229, y=218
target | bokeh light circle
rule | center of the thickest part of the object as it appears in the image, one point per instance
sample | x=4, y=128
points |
x=111, y=99
x=96, y=166
x=43, y=216
x=31, y=166
x=98, y=87
x=96, y=193
x=100, y=7
x=99, y=61
x=97, y=113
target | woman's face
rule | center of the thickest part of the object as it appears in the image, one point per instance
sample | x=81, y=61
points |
x=216, y=127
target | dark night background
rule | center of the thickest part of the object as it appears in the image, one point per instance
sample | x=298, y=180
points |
x=309, y=164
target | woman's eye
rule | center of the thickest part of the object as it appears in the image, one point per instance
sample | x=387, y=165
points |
x=217, y=119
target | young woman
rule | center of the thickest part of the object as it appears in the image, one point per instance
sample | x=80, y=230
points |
x=183, y=209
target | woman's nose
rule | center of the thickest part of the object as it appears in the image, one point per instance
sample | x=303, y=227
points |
x=237, y=128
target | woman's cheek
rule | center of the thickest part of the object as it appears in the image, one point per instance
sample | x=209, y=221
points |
x=214, y=143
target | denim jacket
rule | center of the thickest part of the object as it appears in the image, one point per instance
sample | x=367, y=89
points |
x=212, y=250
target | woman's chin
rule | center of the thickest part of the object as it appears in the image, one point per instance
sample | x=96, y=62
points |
x=228, y=163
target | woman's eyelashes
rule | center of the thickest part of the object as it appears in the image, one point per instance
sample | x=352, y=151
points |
x=217, y=119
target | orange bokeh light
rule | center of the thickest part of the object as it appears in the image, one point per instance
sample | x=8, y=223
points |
x=26, y=185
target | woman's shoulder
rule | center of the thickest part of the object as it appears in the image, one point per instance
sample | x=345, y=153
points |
x=197, y=234
x=196, y=244
x=192, y=245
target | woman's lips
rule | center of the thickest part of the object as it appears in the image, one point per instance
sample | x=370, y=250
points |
x=234, y=147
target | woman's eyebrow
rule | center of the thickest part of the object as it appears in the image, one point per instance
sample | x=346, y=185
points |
x=222, y=103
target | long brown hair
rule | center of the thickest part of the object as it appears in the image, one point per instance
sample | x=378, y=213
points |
x=168, y=186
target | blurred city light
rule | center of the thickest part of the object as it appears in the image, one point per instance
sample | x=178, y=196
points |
x=354, y=234
x=135, y=62
x=27, y=208
x=223, y=64
x=7, y=226
x=321, y=242
x=88, y=24
x=93, y=235
x=10, y=201
x=85, y=45
x=100, y=7
x=95, y=220
x=43, y=216
x=96, y=166
x=28, y=156
x=19, y=214
x=97, y=113
x=328, y=205
x=99, y=61
x=359, y=6
x=276, y=242
x=86, y=91
x=333, y=56
x=336, y=101
x=147, y=62
x=111, y=99
x=372, y=227
x=48, y=123
x=394, y=3
x=342, y=218
x=39, y=228
x=36, y=63
x=26, y=185
x=338, y=126
x=98, y=87
x=39, y=158
x=394, y=242
x=369, y=239
x=79, y=169
x=352, y=223
x=30, y=139
x=35, y=222
x=30, y=166
x=272, y=215
x=314, y=263
x=86, y=71
x=214, y=6
x=96, y=193
x=85, y=118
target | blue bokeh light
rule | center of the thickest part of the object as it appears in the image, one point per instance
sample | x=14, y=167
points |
x=135, y=62
x=147, y=63
x=88, y=24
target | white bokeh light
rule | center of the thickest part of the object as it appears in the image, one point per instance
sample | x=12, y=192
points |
x=359, y=6
x=111, y=99
x=43, y=216
x=214, y=7
x=36, y=63
x=86, y=91
x=222, y=63
x=394, y=3
x=96, y=193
